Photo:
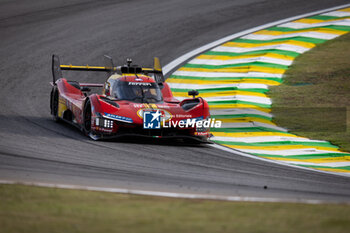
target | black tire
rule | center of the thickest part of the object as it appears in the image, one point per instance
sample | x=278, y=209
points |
x=87, y=117
x=54, y=101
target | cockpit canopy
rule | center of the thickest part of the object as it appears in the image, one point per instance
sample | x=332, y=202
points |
x=139, y=92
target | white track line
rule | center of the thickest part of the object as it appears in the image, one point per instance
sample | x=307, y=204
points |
x=263, y=139
x=214, y=86
x=318, y=35
x=264, y=59
x=227, y=74
x=227, y=149
x=247, y=98
x=169, y=194
x=286, y=47
x=343, y=22
x=338, y=14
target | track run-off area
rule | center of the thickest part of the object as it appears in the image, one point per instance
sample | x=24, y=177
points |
x=234, y=78
x=36, y=150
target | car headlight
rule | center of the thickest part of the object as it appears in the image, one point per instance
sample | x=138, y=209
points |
x=105, y=123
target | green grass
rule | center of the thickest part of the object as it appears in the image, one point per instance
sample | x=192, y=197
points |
x=314, y=98
x=36, y=209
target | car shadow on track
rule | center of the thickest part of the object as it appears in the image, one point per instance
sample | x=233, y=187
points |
x=38, y=126
x=159, y=141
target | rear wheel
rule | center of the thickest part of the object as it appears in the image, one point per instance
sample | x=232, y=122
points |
x=54, y=101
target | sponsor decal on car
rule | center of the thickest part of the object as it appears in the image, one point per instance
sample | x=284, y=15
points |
x=162, y=106
x=165, y=115
x=119, y=118
x=138, y=105
x=139, y=84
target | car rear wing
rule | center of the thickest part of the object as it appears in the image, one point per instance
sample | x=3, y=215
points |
x=155, y=72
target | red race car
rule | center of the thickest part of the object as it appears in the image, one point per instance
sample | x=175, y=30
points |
x=134, y=101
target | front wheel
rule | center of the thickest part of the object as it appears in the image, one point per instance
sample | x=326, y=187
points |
x=87, y=117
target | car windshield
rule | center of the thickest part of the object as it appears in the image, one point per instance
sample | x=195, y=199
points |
x=139, y=92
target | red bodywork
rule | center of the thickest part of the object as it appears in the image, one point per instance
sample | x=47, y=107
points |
x=126, y=116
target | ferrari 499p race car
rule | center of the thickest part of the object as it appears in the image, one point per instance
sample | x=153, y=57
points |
x=134, y=101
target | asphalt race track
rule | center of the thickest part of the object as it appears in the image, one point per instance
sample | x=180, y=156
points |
x=35, y=148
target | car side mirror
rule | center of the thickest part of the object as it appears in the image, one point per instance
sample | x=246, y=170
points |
x=193, y=93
